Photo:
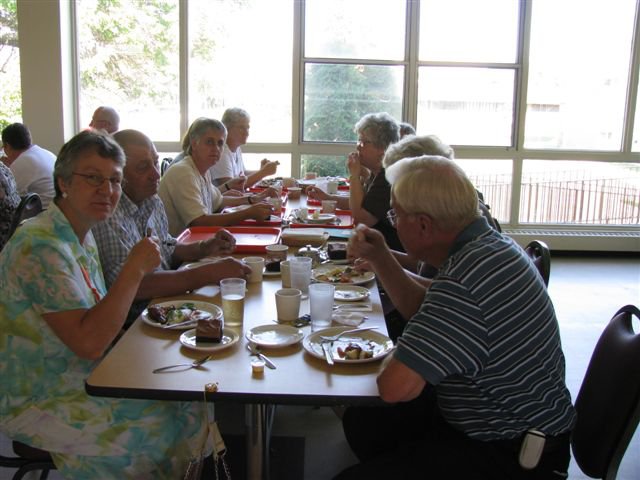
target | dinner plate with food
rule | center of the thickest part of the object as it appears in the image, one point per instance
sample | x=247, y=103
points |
x=341, y=274
x=357, y=347
x=179, y=314
x=274, y=336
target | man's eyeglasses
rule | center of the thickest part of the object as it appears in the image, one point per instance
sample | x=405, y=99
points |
x=362, y=143
x=96, y=180
x=392, y=216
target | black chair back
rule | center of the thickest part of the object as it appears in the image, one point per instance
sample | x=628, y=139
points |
x=608, y=404
x=29, y=206
x=165, y=164
x=539, y=252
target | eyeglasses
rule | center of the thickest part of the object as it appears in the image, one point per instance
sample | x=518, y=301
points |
x=96, y=180
x=362, y=143
x=392, y=216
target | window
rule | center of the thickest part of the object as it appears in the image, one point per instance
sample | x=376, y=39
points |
x=578, y=74
x=535, y=116
x=368, y=37
x=10, y=95
x=240, y=56
x=128, y=59
x=466, y=106
x=492, y=178
x=593, y=193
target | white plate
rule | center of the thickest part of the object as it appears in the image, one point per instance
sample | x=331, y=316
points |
x=214, y=310
x=350, y=293
x=229, y=337
x=334, y=270
x=321, y=218
x=274, y=335
x=381, y=344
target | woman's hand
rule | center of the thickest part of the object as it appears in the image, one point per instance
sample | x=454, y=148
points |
x=259, y=211
x=237, y=183
x=267, y=167
x=317, y=193
x=222, y=243
x=268, y=192
x=226, y=268
x=353, y=164
x=145, y=255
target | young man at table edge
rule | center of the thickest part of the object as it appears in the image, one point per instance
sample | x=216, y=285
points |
x=139, y=213
x=483, y=339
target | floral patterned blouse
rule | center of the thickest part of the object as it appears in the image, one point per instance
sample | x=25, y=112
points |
x=9, y=201
x=43, y=401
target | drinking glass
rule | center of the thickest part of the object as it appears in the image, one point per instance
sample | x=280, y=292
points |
x=321, y=303
x=232, y=291
x=300, y=271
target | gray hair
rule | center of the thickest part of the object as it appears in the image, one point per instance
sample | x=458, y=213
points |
x=380, y=128
x=413, y=146
x=434, y=186
x=406, y=129
x=85, y=142
x=198, y=128
x=233, y=116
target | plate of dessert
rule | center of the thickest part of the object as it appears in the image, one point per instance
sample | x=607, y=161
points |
x=358, y=347
x=209, y=336
x=179, y=314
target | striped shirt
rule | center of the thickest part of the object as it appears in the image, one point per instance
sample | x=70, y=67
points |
x=487, y=337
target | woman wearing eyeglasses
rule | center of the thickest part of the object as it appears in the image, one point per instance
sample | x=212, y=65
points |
x=369, y=192
x=58, y=319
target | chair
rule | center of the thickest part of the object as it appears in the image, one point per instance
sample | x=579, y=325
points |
x=539, y=252
x=165, y=164
x=608, y=404
x=28, y=459
x=29, y=206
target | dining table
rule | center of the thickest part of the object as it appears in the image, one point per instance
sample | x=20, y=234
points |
x=300, y=377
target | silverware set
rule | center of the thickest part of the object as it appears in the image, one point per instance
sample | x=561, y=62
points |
x=185, y=366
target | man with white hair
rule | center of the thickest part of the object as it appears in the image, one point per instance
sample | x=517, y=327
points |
x=230, y=168
x=105, y=118
x=483, y=340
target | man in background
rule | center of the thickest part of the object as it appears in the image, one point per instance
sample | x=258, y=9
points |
x=32, y=166
x=231, y=166
x=105, y=118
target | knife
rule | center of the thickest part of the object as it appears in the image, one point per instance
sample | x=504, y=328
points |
x=267, y=362
x=326, y=347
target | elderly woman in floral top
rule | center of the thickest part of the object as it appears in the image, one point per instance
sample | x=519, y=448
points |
x=57, y=319
x=9, y=201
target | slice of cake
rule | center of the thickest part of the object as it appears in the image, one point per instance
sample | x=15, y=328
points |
x=209, y=330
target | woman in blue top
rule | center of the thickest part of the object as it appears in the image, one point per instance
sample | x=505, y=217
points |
x=57, y=319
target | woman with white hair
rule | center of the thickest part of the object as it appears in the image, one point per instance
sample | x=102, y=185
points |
x=369, y=199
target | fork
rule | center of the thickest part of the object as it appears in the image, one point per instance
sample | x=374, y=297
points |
x=195, y=364
x=333, y=338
